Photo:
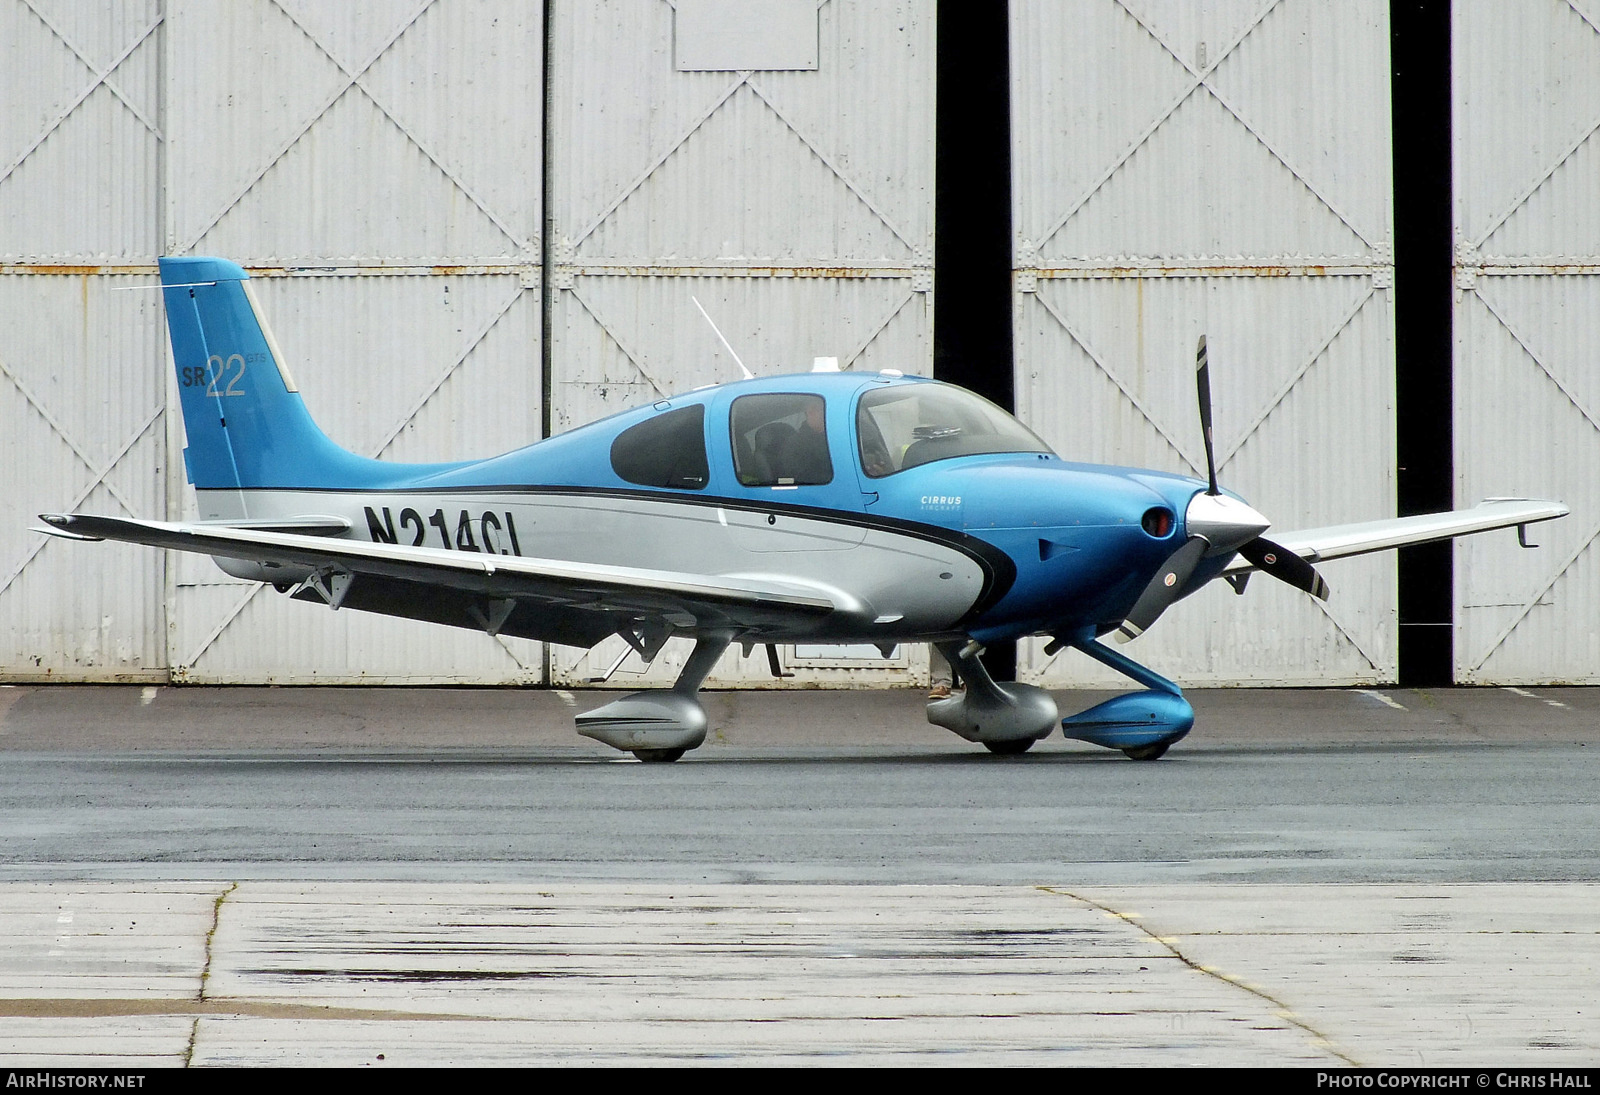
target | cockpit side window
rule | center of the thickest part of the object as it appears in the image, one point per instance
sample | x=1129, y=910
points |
x=780, y=440
x=905, y=425
x=668, y=450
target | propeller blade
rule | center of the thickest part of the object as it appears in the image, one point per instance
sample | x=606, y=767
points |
x=1202, y=383
x=1163, y=589
x=1285, y=566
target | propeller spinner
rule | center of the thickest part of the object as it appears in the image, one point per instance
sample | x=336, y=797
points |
x=1216, y=524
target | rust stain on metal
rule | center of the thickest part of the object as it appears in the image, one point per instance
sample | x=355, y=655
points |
x=50, y=269
x=1535, y=269
x=1154, y=270
x=714, y=271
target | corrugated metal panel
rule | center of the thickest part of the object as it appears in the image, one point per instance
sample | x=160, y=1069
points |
x=79, y=132
x=81, y=367
x=308, y=132
x=1527, y=384
x=796, y=205
x=1221, y=168
x=81, y=427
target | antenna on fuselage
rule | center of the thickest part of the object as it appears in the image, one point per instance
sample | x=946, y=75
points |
x=748, y=375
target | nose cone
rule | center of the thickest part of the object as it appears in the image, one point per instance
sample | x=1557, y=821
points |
x=1226, y=523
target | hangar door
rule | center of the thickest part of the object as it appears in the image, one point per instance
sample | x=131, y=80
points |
x=82, y=386
x=322, y=147
x=773, y=159
x=1193, y=167
x=338, y=153
x=1527, y=321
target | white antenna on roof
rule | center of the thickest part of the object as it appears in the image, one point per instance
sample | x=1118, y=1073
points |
x=748, y=375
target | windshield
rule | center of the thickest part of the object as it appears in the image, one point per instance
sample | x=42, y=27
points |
x=905, y=425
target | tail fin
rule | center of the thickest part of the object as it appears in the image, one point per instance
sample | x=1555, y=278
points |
x=246, y=423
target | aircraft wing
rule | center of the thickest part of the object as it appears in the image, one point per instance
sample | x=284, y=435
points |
x=591, y=598
x=1337, y=541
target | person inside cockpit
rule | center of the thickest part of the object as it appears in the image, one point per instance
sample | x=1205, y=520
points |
x=805, y=455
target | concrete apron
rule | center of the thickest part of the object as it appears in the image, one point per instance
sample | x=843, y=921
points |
x=136, y=975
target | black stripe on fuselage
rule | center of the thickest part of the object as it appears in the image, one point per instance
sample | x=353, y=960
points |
x=999, y=571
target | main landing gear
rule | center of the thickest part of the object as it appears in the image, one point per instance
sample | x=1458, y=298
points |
x=1007, y=718
x=661, y=724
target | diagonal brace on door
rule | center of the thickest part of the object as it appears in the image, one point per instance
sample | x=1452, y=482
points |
x=1349, y=635
x=1299, y=374
x=1584, y=543
x=1522, y=343
x=1521, y=199
x=100, y=77
x=358, y=81
x=660, y=158
x=449, y=371
x=60, y=431
x=110, y=84
x=828, y=162
x=1171, y=108
x=1204, y=78
x=849, y=360
x=634, y=359
x=1200, y=78
x=1496, y=222
x=98, y=477
x=317, y=115
x=250, y=595
x=1255, y=424
x=1127, y=393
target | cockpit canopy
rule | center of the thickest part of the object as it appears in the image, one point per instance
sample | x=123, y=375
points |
x=906, y=425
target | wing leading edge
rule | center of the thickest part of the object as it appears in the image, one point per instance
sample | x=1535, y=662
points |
x=687, y=601
x=1338, y=541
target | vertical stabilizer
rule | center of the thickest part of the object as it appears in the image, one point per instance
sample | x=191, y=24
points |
x=247, y=426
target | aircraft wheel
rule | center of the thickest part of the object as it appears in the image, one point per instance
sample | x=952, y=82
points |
x=1147, y=752
x=1013, y=748
x=658, y=756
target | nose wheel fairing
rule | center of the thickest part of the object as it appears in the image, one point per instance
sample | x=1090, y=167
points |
x=1132, y=722
x=1141, y=724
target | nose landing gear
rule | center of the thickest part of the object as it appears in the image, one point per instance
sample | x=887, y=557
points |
x=1142, y=724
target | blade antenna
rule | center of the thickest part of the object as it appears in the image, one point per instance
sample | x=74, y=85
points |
x=1202, y=383
x=748, y=375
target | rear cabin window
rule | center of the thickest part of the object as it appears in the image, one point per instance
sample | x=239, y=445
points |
x=668, y=450
x=780, y=440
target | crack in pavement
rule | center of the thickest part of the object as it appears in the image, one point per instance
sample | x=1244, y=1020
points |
x=1282, y=1009
x=205, y=971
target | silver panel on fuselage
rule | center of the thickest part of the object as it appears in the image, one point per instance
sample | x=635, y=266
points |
x=912, y=586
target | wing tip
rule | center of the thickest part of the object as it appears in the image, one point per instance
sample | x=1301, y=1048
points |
x=60, y=525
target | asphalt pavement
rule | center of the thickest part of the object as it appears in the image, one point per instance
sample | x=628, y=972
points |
x=453, y=876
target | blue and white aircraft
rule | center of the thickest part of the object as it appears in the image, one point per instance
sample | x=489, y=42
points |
x=828, y=507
